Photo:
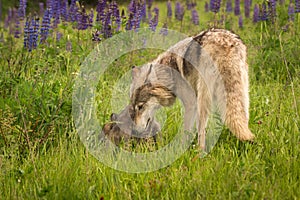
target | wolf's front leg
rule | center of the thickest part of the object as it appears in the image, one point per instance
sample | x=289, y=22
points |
x=188, y=97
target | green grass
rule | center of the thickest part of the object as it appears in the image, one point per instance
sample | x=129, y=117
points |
x=41, y=156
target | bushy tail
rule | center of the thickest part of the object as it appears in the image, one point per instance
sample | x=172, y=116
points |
x=238, y=125
x=237, y=103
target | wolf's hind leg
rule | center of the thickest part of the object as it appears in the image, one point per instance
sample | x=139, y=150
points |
x=204, y=105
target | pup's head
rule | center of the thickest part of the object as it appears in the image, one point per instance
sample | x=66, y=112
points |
x=121, y=128
x=149, y=91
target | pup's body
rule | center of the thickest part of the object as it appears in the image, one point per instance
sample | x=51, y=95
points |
x=121, y=128
x=208, y=68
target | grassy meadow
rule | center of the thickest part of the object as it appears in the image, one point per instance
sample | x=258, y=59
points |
x=42, y=157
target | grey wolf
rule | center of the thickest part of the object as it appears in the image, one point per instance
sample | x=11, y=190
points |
x=208, y=68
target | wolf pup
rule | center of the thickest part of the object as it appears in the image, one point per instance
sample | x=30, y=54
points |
x=121, y=128
x=211, y=68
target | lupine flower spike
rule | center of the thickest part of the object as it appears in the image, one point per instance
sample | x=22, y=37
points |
x=154, y=21
x=45, y=26
x=256, y=14
x=164, y=30
x=247, y=4
x=291, y=12
x=237, y=10
x=179, y=11
x=195, y=17
x=297, y=6
x=229, y=6
x=215, y=5
x=169, y=9
x=206, y=7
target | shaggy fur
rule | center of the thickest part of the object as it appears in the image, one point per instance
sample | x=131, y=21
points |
x=208, y=68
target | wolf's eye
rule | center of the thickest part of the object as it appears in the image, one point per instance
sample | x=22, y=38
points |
x=140, y=106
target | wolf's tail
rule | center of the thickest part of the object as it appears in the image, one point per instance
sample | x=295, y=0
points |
x=237, y=104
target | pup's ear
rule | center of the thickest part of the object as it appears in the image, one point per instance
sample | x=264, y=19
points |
x=113, y=117
x=164, y=96
x=135, y=71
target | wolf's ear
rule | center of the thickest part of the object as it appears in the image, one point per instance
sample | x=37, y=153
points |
x=151, y=72
x=135, y=72
x=113, y=117
x=164, y=96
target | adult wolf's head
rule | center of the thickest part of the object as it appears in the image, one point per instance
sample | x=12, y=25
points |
x=151, y=88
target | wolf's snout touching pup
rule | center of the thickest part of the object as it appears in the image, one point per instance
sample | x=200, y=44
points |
x=121, y=128
x=212, y=69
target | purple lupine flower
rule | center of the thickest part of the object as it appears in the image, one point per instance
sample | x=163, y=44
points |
x=101, y=6
x=131, y=6
x=58, y=36
x=229, y=6
x=36, y=26
x=237, y=10
x=149, y=2
x=56, y=16
x=297, y=6
x=190, y=5
x=26, y=32
x=91, y=18
x=45, y=27
x=143, y=10
x=169, y=9
x=82, y=19
x=256, y=14
x=32, y=29
x=135, y=15
x=291, y=12
x=247, y=8
x=164, y=30
x=22, y=9
x=272, y=9
x=41, y=7
x=113, y=6
x=55, y=9
x=240, y=21
x=96, y=36
x=130, y=24
x=64, y=10
x=179, y=11
x=195, y=17
x=8, y=18
x=106, y=28
x=17, y=32
x=11, y=19
x=21, y=15
x=49, y=5
x=206, y=7
x=263, y=12
x=154, y=21
x=73, y=10
x=30, y=34
x=215, y=5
